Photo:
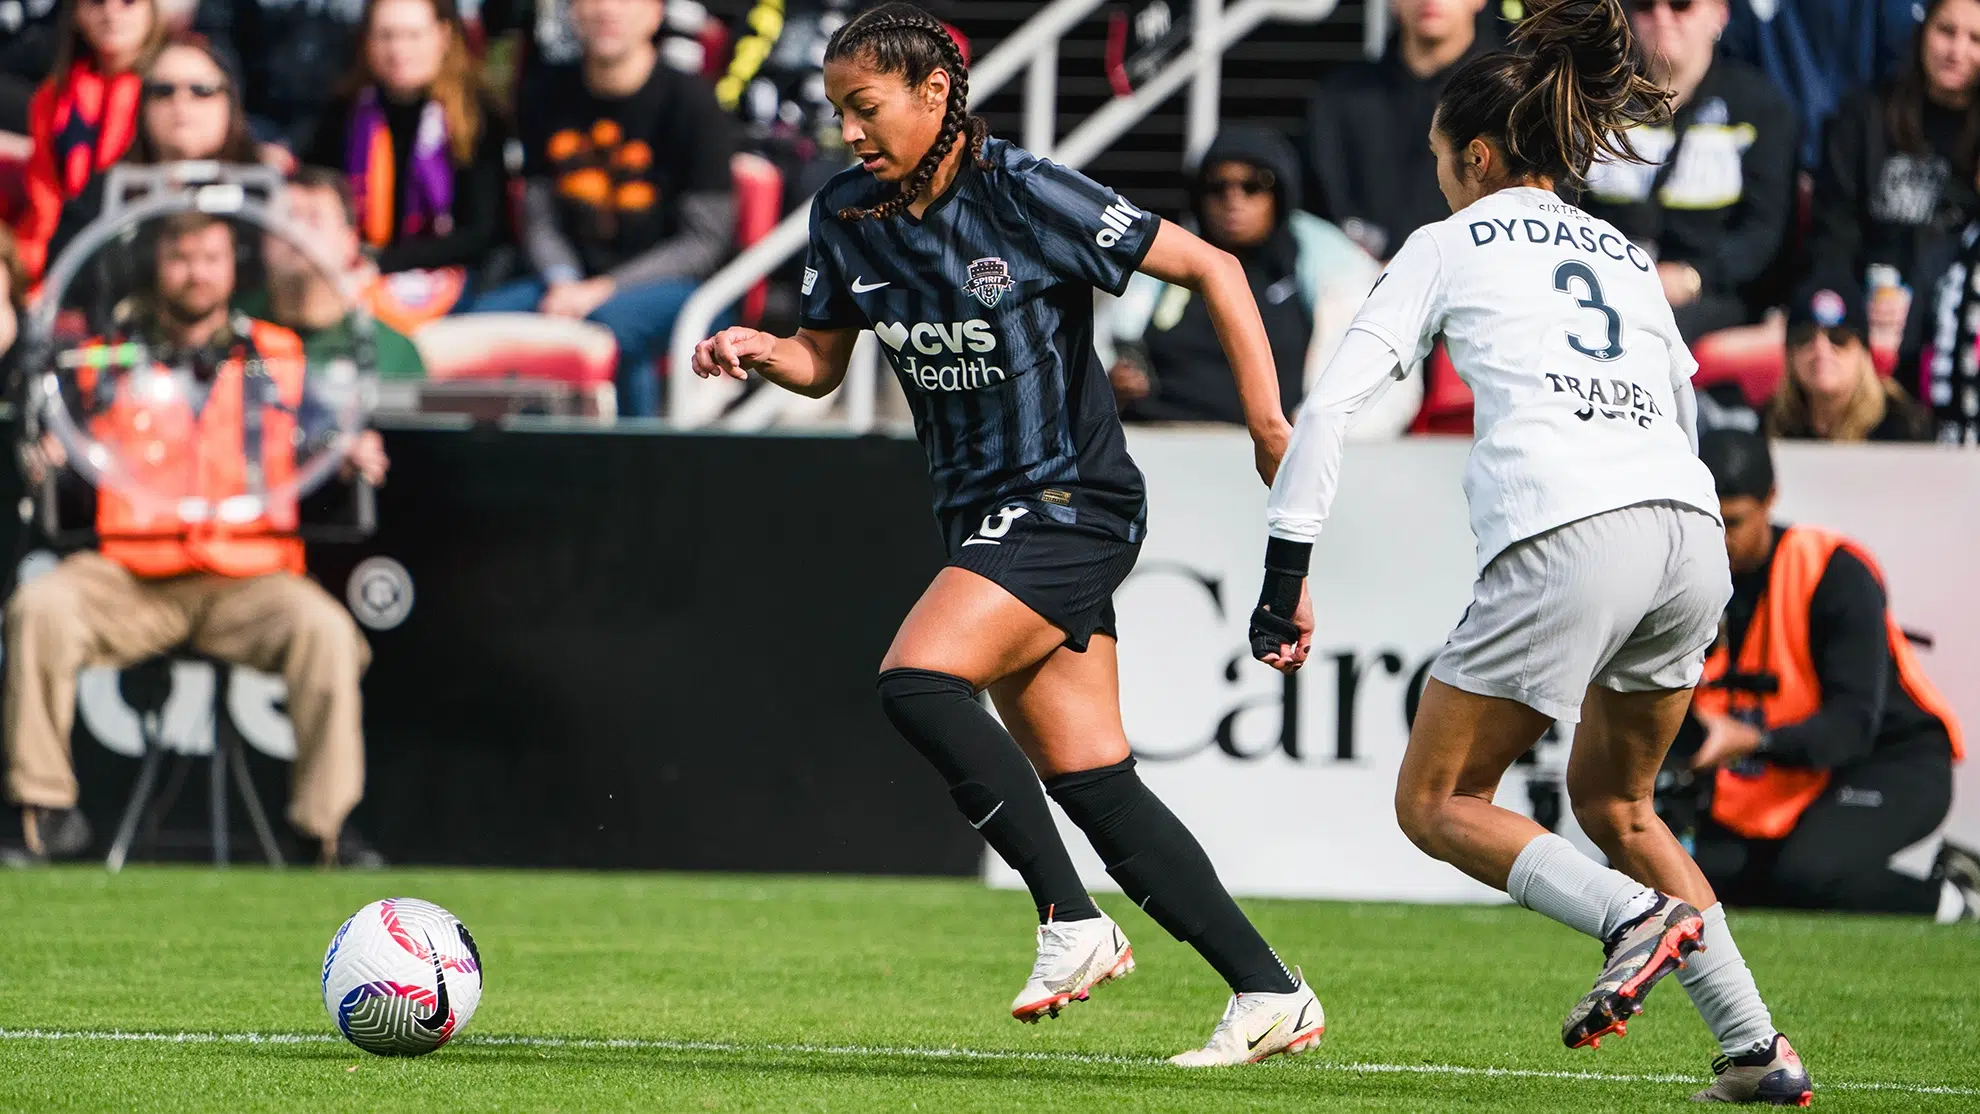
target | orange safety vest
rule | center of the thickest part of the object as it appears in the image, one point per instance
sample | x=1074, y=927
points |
x=1768, y=804
x=199, y=460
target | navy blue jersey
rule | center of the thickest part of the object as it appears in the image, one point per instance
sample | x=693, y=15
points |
x=984, y=306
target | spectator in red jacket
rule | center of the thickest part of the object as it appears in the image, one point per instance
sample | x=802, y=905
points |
x=84, y=116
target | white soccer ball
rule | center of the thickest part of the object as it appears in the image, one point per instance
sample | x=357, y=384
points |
x=402, y=977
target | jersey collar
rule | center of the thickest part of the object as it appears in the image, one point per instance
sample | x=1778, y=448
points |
x=963, y=173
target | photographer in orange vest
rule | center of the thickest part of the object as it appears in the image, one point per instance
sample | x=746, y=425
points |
x=227, y=588
x=1832, y=749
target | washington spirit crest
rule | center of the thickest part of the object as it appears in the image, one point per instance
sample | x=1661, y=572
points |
x=988, y=280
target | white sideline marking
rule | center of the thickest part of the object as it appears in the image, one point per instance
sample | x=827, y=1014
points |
x=931, y=1054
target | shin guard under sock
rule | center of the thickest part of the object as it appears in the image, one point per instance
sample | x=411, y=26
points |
x=991, y=782
x=1163, y=869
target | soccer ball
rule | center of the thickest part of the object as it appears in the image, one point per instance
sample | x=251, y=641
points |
x=402, y=977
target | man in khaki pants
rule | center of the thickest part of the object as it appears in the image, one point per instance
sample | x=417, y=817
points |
x=233, y=590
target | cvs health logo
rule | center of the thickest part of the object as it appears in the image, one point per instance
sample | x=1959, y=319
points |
x=946, y=357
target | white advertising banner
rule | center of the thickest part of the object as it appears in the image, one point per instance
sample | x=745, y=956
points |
x=1289, y=783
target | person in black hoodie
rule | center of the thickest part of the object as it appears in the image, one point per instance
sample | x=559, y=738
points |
x=1306, y=276
x=1895, y=186
x=1712, y=202
x=1368, y=162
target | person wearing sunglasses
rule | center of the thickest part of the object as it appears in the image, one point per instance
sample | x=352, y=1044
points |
x=84, y=116
x=189, y=109
x=1711, y=204
x=1306, y=275
x=1832, y=391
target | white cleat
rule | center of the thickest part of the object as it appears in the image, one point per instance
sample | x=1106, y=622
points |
x=1073, y=958
x=1255, y=1026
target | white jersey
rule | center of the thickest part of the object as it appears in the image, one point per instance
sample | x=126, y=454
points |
x=1559, y=326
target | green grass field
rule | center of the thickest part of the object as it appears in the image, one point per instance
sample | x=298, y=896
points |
x=187, y=989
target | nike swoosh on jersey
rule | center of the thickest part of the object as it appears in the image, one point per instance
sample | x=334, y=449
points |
x=982, y=541
x=860, y=286
x=1254, y=1042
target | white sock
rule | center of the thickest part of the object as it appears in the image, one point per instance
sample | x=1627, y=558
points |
x=1553, y=879
x=1722, y=988
x=1952, y=904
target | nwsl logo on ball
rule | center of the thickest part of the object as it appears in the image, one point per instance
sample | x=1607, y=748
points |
x=989, y=278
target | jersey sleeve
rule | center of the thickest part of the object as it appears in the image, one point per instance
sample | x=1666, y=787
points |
x=1405, y=309
x=823, y=300
x=1085, y=231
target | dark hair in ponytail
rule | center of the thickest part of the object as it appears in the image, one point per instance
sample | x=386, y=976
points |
x=903, y=39
x=1566, y=94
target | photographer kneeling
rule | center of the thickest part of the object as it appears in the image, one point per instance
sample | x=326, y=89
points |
x=1832, y=750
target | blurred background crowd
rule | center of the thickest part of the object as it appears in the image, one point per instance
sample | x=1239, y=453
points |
x=579, y=166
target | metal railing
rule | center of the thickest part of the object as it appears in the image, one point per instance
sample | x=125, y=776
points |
x=1034, y=50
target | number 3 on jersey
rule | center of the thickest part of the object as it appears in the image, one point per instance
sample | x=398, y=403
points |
x=1564, y=279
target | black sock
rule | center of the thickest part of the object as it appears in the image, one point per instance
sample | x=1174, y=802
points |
x=991, y=781
x=1164, y=870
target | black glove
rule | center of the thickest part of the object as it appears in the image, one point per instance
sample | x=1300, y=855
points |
x=1272, y=627
x=1271, y=633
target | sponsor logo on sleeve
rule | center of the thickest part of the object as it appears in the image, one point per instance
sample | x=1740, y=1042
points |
x=810, y=280
x=1117, y=218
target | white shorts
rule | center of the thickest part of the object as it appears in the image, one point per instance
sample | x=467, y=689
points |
x=1628, y=599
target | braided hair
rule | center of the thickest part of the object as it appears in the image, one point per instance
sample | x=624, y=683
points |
x=900, y=38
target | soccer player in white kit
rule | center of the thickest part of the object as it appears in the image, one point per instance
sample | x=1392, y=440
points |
x=1602, y=565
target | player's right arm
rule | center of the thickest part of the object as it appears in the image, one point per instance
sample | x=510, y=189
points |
x=812, y=363
x=1391, y=333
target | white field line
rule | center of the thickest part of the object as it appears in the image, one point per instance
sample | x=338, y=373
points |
x=116, y=1035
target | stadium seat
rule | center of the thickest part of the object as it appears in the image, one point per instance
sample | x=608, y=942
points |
x=1751, y=356
x=1447, y=401
x=524, y=350
x=759, y=206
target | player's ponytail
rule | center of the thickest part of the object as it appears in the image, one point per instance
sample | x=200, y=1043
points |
x=900, y=38
x=1567, y=93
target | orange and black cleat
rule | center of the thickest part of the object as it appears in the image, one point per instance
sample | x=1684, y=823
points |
x=1639, y=954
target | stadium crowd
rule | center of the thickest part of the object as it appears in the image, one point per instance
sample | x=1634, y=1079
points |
x=588, y=160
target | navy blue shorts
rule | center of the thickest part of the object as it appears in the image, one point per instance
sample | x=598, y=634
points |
x=1065, y=571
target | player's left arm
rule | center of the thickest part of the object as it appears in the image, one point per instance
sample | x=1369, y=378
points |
x=1181, y=257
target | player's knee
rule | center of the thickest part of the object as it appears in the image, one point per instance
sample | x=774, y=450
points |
x=907, y=695
x=1610, y=821
x=1419, y=813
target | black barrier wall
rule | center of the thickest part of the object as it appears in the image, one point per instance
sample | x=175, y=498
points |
x=634, y=650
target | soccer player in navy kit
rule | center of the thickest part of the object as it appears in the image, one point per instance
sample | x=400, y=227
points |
x=974, y=263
